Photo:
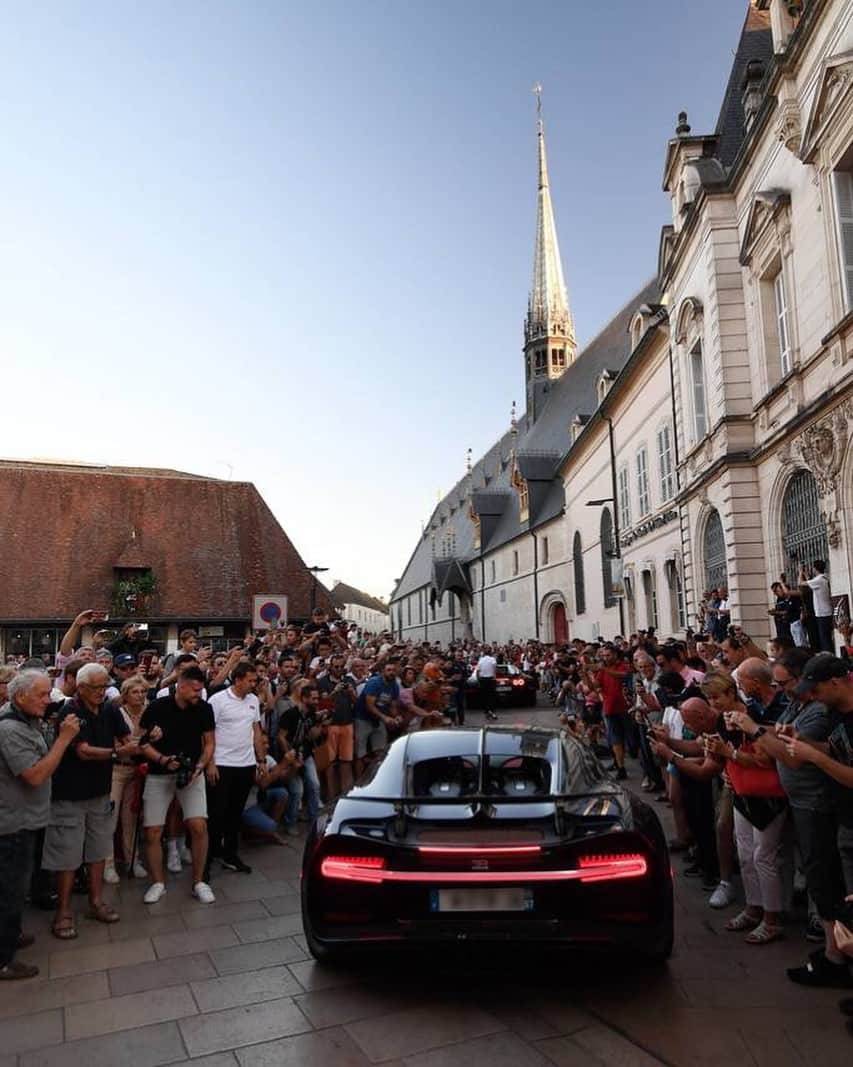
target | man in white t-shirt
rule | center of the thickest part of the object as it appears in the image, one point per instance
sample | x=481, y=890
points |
x=486, y=671
x=823, y=611
x=231, y=773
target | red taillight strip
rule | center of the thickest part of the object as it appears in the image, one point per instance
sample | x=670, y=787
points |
x=372, y=870
x=481, y=850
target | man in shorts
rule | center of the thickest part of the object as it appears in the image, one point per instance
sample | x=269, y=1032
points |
x=377, y=709
x=338, y=697
x=177, y=759
x=80, y=827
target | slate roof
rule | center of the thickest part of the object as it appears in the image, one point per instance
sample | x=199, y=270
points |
x=348, y=594
x=210, y=544
x=756, y=42
x=540, y=446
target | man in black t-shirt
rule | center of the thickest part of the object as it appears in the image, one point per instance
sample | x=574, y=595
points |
x=338, y=697
x=177, y=759
x=80, y=829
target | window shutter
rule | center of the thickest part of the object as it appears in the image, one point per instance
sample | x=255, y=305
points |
x=843, y=182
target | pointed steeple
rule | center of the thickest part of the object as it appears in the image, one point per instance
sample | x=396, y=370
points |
x=549, y=329
x=548, y=310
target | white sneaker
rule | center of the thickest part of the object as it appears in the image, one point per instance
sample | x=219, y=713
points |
x=139, y=871
x=173, y=862
x=203, y=893
x=723, y=895
x=153, y=893
x=111, y=876
x=185, y=854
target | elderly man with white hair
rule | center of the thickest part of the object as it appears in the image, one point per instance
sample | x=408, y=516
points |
x=26, y=767
x=80, y=829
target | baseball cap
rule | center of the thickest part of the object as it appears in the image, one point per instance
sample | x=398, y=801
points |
x=125, y=659
x=820, y=668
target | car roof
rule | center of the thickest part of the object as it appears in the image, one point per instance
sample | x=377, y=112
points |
x=506, y=740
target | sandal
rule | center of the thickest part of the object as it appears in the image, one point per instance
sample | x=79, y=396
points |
x=743, y=921
x=63, y=927
x=764, y=933
x=102, y=913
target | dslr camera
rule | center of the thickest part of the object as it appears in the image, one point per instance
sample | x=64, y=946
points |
x=185, y=770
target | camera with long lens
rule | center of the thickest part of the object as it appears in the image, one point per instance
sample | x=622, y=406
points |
x=185, y=769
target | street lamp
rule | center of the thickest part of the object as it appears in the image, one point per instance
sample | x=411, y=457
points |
x=315, y=571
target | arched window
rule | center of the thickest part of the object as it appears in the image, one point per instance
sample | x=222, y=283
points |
x=580, y=587
x=607, y=551
x=714, y=551
x=803, y=529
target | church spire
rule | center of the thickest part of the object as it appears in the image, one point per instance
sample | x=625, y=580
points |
x=549, y=331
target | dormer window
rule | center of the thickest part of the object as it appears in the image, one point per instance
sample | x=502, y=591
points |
x=475, y=522
x=604, y=383
x=519, y=483
x=576, y=427
x=638, y=324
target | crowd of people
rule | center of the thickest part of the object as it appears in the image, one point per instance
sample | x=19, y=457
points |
x=121, y=763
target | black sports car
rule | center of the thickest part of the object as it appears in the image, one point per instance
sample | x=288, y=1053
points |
x=513, y=688
x=495, y=835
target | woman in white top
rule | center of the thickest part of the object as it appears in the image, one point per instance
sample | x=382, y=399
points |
x=126, y=792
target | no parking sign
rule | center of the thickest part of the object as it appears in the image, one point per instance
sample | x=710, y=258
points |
x=269, y=610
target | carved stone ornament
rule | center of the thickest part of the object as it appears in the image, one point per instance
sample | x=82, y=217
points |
x=822, y=449
x=789, y=129
x=833, y=531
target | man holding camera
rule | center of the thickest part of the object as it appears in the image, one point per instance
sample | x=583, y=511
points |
x=81, y=827
x=338, y=697
x=176, y=767
x=300, y=730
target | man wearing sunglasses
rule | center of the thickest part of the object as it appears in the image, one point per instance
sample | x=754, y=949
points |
x=80, y=826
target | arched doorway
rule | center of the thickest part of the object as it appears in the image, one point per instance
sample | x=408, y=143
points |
x=559, y=624
x=803, y=528
x=714, y=552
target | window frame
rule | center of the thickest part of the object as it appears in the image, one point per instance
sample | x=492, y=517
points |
x=666, y=463
x=842, y=185
x=641, y=467
x=698, y=391
x=623, y=489
x=579, y=578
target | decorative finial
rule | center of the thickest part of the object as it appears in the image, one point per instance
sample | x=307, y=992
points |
x=513, y=424
x=537, y=88
x=683, y=128
x=468, y=461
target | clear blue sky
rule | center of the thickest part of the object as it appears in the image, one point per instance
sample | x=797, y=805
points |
x=292, y=243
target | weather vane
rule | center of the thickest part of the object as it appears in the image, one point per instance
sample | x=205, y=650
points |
x=537, y=88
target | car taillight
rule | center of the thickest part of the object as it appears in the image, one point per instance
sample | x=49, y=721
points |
x=481, y=850
x=612, y=868
x=518, y=681
x=353, y=868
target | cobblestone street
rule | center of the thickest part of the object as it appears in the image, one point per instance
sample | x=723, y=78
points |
x=232, y=983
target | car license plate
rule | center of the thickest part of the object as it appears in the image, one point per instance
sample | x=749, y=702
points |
x=506, y=899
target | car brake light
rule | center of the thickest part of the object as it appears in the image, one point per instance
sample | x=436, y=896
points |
x=612, y=868
x=518, y=681
x=481, y=850
x=353, y=868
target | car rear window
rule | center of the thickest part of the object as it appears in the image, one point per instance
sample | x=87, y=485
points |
x=459, y=776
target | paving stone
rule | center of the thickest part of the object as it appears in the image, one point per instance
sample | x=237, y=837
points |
x=268, y=928
x=419, y=1029
x=334, y=1007
x=149, y=1046
x=237, y=889
x=26, y=1032
x=267, y=984
x=161, y=973
x=19, y=998
x=311, y=976
x=611, y=1048
x=261, y=954
x=497, y=1050
x=101, y=957
x=286, y=904
x=564, y=1017
x=330, y=1048
x=224, y=914
x=563, y=1052
x=126, y=1013
x=246, y=1025
x=210, y=937
x=146, y=926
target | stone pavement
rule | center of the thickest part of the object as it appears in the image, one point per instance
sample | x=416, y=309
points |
x=232, y=984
